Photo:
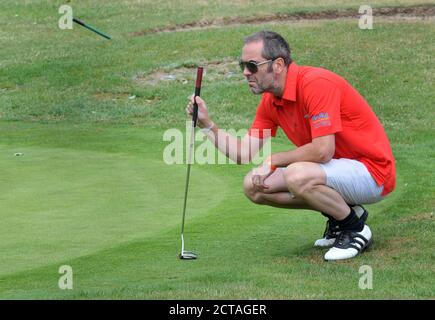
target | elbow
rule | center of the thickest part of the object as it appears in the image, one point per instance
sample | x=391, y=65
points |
x=325, y=159
x=323, y=148
x=326, y=154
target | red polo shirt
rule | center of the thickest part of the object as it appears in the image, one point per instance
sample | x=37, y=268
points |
x=317, y=102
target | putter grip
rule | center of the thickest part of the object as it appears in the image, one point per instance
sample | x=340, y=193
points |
x=197, y=94
x=79, y=22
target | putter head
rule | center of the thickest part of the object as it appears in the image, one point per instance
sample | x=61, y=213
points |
x=187, y=255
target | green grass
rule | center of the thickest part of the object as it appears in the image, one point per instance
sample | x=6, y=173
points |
x=91, y=189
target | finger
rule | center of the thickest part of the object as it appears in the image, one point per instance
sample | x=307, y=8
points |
x=254, y=180
x=265, y=186
x=257, y=180
x=262, y=184
x=198, y=99
x=265, y=177
x=260, y=188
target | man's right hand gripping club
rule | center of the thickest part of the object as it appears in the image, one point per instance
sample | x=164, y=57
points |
x=203, y=118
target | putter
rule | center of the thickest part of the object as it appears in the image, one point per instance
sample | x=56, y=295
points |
x=91, y=28
x=189, y=255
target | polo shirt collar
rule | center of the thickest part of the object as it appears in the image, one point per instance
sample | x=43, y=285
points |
x=289, y=93
x=290, y=82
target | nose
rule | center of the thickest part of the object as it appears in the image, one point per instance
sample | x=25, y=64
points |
x=246, y=72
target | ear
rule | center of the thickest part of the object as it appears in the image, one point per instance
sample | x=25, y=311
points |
x=278, y=65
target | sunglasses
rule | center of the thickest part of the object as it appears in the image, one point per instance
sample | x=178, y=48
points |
x=251, y=65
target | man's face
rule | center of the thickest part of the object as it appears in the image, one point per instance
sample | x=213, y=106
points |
x=262, y=80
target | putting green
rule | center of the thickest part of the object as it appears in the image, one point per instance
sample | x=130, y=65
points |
x=66, y=203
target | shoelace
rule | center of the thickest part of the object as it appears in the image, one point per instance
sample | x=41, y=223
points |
x=349, y=239
x=344, y=238
x=331, y=230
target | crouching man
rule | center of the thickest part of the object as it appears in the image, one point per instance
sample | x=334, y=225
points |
x=343, y=157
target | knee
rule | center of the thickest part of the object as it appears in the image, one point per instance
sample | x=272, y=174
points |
x=296, y=179
x=252, y=194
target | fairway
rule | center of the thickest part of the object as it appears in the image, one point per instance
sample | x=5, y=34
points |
x=83, y=181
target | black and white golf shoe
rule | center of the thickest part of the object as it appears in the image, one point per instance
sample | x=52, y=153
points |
x=332, y=229
x=348, y=244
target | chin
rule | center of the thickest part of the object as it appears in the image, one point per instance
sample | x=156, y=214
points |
x=256, y=90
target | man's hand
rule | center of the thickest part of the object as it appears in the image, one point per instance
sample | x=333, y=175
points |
x=203, y=119
x=261, y=173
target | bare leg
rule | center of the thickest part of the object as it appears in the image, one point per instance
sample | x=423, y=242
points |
x=307, y=180
x=301, y=185
x=277, y=195
x=284, y=200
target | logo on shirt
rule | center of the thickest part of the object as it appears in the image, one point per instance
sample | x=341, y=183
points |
x=320, y=120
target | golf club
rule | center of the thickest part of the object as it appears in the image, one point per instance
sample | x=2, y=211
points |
x=189, y=255
x=91, y=28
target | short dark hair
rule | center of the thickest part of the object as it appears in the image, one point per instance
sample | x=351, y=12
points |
x=275, y=46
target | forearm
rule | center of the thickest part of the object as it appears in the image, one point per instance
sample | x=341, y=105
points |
x=309, y=152
x=231, y=146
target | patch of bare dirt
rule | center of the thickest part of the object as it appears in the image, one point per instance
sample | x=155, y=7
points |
x=424, y=216
x=223, y=70
x=397, y=243
x=124, y=96
x=396, y=247
x=423, y=11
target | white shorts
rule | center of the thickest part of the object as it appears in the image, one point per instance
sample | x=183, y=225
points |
x=352, y=180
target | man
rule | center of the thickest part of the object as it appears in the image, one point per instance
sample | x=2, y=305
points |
x=343, y=157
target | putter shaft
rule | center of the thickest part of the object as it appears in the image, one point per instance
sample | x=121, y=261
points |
x=186, y=189
x=91, y=28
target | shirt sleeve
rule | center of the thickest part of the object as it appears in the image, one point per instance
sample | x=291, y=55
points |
x=263, y=125
x=322, y=102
